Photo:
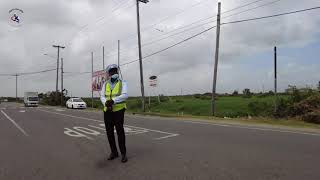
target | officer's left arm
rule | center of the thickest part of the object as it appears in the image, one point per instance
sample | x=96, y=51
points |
x=124, y=94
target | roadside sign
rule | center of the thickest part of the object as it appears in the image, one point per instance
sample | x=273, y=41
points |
x=98, y=78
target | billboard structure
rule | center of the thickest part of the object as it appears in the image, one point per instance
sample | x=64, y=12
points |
x=98, y=79
x=153, y=81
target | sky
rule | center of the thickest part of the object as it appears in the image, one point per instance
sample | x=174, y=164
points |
x=85, y=26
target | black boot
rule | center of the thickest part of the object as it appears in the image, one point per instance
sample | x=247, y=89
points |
x=124, y=159
x=113, y=156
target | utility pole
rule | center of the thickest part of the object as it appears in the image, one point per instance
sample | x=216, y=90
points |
x=91, y=79
x=16, y=87
x=62, y=103
x=213, y=106
x=275, y=79
x=140, y=54
x=118, y=53
x=57, y=79
x=103, y=58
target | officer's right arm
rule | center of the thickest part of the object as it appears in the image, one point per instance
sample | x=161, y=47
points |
x=103, y=94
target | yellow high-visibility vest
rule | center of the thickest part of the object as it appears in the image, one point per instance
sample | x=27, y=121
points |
x=110, y=94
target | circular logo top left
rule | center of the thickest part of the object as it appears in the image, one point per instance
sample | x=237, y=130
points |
x=15, y=17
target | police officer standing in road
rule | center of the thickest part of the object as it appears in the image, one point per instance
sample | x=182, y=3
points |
x=113, y=97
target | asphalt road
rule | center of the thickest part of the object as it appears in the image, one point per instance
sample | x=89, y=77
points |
x=59, y=144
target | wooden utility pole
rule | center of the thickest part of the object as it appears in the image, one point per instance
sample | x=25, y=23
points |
x=275, y=79
x=57, y=79
x=213, y=105
x=140, y=54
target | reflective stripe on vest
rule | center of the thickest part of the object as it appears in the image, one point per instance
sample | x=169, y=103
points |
x=110, y=94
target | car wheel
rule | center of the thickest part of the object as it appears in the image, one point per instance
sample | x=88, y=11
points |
x=72, y=107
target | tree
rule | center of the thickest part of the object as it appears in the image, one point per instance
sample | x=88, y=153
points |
x=247, y=93
x=319, y=85
x=235, y=93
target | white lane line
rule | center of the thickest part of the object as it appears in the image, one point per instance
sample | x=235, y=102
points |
x=165, y=137
x=89, y=119
x=162, y=132
x=13, y=122
x=254, y=128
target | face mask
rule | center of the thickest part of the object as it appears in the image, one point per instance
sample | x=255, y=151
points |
x=114, y=77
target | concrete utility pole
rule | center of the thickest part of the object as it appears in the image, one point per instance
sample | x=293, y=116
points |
x=62, y=103
x=16, y=87
x=213, y=106
x=118, y=53
x=103, y=58
x=140, y=54
x=57, y=79
x=275, y=79
x=91, y=79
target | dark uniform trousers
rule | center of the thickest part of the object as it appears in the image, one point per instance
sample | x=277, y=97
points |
x=111, y=120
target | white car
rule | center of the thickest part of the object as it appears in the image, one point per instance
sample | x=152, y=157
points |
x=76, y=103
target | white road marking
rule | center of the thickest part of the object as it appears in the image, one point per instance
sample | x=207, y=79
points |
x=13, y=122
x=61, y=110
x=87, y=131
x=126, y=129
x=73, y=133
x=22, y=111
x=254, y=128
x=89, y=119
x=165, y=137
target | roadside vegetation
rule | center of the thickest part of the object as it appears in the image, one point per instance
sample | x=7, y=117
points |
x=298, y=104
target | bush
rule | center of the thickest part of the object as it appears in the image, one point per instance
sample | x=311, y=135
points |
x=312, y=117
x=198, y=96
x=164, y=98
x=308, y=105
x=258, y=108
x=134, y=105
x=205, y=97
x=283, y=108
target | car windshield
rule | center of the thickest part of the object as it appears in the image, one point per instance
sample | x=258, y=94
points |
x=77, y=100
x=33, y=98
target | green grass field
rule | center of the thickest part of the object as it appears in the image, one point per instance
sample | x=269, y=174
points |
x=201, y=106
x=189, y=105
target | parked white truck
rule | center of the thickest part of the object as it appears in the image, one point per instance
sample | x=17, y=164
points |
x=31, y=99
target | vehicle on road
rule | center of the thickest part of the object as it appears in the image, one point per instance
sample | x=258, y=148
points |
x=76, y=103
x=31, y=99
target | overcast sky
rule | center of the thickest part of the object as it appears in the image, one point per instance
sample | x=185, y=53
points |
x=84, y=26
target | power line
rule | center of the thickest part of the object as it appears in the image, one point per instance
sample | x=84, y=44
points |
x=176, y=44
x=232, y=22
x=242, y=6
x=202, y=32
x=166, y=18
x=271, y=16
x=200, y=25
x=29, y=73
x=97, y=21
